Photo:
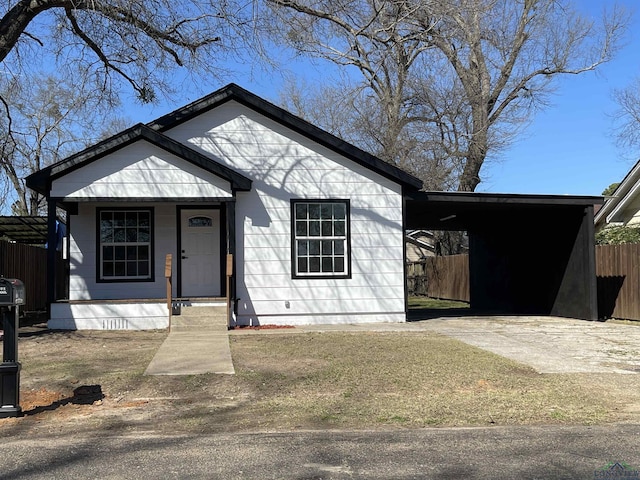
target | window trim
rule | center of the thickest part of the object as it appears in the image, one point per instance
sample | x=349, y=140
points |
x=347, y=247
x=98, y=256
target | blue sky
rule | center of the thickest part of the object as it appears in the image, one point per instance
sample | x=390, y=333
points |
x=567, y=149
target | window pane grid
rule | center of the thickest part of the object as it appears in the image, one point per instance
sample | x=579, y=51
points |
x=320, y=232
x=125, y=244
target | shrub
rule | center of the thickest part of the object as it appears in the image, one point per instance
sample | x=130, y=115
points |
x=618, y=235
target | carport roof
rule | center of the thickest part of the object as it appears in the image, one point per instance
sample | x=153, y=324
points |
x=459, y=210
x=25, y=229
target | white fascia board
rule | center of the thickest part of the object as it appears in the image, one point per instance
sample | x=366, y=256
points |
x=624, y=193
x=623, y=202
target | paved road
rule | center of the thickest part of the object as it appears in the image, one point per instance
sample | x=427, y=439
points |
x=469, y=453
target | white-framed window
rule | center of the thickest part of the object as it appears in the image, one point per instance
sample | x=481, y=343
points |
x=320, y=238
x=125, y=244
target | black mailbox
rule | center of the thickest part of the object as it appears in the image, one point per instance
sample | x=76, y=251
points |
x=11, y=297
x=11, y=291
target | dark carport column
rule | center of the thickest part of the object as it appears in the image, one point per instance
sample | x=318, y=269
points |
x=535, y=261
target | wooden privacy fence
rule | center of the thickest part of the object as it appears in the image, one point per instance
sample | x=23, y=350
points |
x=617, y=270
x=440, y=277
x=29, y=264
x=618, y=276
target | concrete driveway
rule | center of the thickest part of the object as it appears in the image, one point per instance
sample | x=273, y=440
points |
x=548, y=344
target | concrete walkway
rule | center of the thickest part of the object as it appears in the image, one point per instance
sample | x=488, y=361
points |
x=198, y=343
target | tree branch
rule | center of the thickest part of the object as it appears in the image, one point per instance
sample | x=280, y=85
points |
x=142, y=91
x=16, y=20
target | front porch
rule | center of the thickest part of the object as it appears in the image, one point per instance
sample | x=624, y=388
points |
x=126, y=314
x=151, y=197
x=114, y=265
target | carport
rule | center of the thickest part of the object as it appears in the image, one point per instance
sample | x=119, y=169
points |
x=528, y=254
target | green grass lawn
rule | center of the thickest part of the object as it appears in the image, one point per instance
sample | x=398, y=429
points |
x=369, y=380
x=426, y=302
x=293, y=380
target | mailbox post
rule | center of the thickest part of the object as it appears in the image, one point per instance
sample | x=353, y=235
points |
x=11, y=297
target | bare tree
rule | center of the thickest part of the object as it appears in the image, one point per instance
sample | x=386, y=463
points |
x=131, y=41
x=463, y=75
x=46, y=121
x=348, y=111
x=627, y=118
x=64, y=64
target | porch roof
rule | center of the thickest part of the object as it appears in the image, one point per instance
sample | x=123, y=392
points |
x=41, y=180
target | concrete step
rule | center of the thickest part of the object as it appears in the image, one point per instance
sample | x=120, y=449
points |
x=204, y=319
x=195, y=311
x=201, y=321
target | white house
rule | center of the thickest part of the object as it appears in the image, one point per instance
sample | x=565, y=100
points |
x=420, y=244
x=315, y=225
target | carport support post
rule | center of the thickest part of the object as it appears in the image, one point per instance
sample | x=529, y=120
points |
x=51, y=253
x=589, y=225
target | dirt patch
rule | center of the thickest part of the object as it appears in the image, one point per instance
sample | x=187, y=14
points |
x=33, y=399
x=75, y=382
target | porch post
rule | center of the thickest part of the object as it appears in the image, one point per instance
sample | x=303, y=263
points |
x=51, y=253
x=231, y=247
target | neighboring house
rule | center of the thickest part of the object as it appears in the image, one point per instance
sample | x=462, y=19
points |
x=315, y=225
x=420, y=245
x=622, y=208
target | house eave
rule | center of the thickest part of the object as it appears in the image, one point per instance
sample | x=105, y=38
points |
x=41, y=180
x=506, y=198
x=143, y=199
x=620, y=197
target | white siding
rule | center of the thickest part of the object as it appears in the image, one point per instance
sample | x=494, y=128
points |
x=109, y=316
x=140, y=170
x=82, y=249
x=283, y=166
x=631, y=214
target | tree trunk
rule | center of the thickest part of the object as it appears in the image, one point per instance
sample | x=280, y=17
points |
x=477, y=151
x=16, y=20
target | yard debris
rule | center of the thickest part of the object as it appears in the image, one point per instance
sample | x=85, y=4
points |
x=87, y=395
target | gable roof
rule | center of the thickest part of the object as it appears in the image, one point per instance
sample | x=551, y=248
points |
x=40, y=181
x=287, y=119
x=152, y=132
x=626, y=192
